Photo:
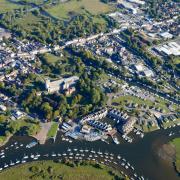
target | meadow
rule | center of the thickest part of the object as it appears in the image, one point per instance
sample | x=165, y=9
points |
x=74, y=7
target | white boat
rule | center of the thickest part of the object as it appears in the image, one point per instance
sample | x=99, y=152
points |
x=115, y=140
x=119, y=157
x=53, y=154
x=25, y=157
x=6, y=165
x=38, y=155
x=1, y=169
x=75, y=149
x=12, y=164
x=21, y=145
x=23, y=161
x=69, y=150
x=32, y=155
x=35, y=158
x=17, y=161
x=2, y=153
x=32, y=144
x=3, y=156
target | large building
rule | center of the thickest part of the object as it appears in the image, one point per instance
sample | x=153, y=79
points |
x=61, y=84
x=127, y=126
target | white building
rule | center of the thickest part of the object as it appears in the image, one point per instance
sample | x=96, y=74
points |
x=62, y=84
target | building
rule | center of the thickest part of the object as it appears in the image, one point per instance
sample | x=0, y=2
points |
x=139, y=67
x=86, y=129
x=114, y=113
x=61, y=84
x=148, y=73
x=128, y=126
x=166, y=35
x=2, y=107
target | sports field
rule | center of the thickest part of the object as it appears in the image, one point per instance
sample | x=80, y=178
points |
x=65, y=10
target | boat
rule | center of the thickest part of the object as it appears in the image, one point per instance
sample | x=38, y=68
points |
x=17, y=161
x=21, y=145
x=5, y=165
x=32, y=155
x=59, y=154
x=119, y=157
x=53, y=154
x=86, y=150
x=3, y=156
x=69, y=150
x=1, y=169
x=25, y=157
x=35, y=158
x=23, y=161
x=126, y=167
x=2, y=153
x=32, y=144
x=11, y=164
x=115, y=140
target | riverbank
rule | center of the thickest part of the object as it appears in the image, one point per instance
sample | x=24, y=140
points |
x=60, y=170
x=5, y=141
x=176, y=144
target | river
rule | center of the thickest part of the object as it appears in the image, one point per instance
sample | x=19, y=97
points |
x=141, y=154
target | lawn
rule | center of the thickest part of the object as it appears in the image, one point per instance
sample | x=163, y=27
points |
x=176, y=143
x=64, y=10
x=51, y=170
x=28, y=22
x=123, y=100
x=6, y=6
x=53, y=130
x=51, y=58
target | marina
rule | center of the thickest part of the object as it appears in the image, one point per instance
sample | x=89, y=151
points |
x=126, y=157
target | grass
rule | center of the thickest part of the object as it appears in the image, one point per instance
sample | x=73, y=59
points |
x=51, y=58
x=53, y=130
x=124, y=100
x=50, y=170
x=6, y=6
x=64, y=10
x=28, y=22
x=176, y=143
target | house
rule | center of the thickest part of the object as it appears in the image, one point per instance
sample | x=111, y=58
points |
x=2, y=107
x=86, y=129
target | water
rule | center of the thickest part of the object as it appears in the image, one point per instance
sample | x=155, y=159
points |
x=142, y=154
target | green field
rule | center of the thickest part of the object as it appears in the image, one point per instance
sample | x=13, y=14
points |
x=8, y=6
x=50, y=170
x=124, y=100
x=176, y=143
x=51, y=58
x=53, y=130
x=65, y=10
